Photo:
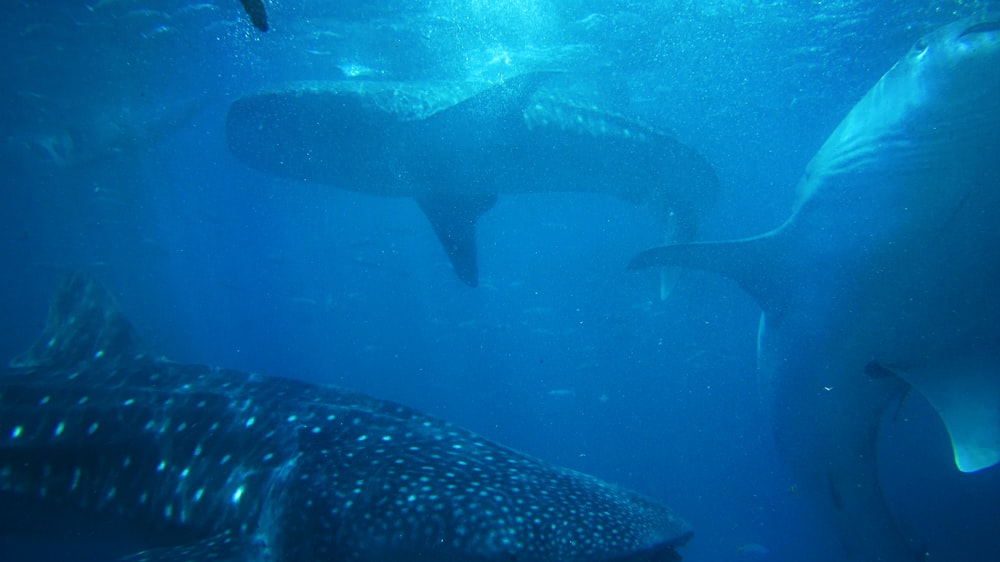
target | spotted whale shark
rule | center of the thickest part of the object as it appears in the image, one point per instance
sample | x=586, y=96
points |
x=224, y=465
x=884, y=279
x=453, y=146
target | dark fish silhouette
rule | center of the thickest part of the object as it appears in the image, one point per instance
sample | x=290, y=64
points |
x=453, y=146
x=224, y=465
x=258, y=15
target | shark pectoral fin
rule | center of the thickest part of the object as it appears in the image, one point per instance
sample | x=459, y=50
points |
x=453, y=217
x=750, y=262
x=969, y=405
x=219, y=548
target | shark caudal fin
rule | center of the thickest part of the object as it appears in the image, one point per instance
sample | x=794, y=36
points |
x=83, y=325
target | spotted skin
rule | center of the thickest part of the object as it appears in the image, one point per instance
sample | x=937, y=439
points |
x=237, y=466
x=456, y=146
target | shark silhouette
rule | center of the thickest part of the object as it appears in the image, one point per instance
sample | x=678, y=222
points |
x=453, y=146
x=223, y=465
x=883, y=279
x=67, y=137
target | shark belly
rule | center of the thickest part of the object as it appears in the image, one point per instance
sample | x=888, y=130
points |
x=883, y=280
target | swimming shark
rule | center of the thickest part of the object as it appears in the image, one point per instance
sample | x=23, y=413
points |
x=223, y=465
x=68, y=136
x=453, y=146
x=884, y=279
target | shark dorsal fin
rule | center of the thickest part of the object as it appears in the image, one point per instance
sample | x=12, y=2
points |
x=492, y=107
x=480, y=119
x=509, y=96
x=84, y=324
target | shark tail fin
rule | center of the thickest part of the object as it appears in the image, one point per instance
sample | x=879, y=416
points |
x=752, y=263
x=84, y=324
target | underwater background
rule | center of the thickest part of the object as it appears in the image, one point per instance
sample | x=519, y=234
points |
x=114, y=161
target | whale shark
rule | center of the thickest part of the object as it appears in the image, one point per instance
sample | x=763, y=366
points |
x=884, y=280
x=62, y=136
x=453, y=146
x=216, y=464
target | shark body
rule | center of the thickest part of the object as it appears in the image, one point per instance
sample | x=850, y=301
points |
x=884, y=279
x=453, y=146
x=224, y=465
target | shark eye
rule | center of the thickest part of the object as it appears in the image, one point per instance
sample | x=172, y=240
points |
x=920, y=47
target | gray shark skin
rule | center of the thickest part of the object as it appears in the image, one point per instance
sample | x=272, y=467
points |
x=883, y=279
x=454, y=146
x=225, y=465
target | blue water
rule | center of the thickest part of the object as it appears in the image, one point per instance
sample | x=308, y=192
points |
x=560, y=352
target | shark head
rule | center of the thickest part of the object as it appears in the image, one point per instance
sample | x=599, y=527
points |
x=963, y=53
x=933, y=121
x=940, y=98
